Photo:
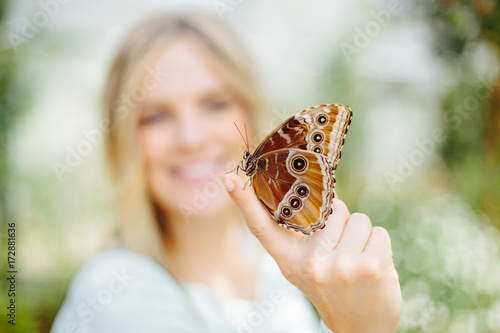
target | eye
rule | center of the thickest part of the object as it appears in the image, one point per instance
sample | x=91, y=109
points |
x=217, y=105
x=154, y=116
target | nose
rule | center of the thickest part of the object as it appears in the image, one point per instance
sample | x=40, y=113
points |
x=191, y=133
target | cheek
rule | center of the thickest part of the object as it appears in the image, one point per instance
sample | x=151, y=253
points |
x=228, y=133
x=154, y=145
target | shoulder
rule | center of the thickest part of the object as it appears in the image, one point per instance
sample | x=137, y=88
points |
x=116, y=270
x=119, y=290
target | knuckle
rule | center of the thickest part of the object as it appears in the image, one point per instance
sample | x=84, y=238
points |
x=361, y=220
x=312, y=271
x=290, y=274
x=349, y=269
x=394, y=277
x=343, y=269
x=360, y=217
x=369, y=269
x=257, y=230
x=309, y=265
x=339, y=206
x=382, y=232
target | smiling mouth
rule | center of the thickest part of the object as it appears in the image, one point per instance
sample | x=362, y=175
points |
x=197, y=172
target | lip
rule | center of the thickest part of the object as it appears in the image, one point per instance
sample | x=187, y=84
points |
x=197, y=173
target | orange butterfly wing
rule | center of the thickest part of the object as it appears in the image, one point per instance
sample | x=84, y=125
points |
x=314, y=136
x=320, y=129
x=296, y=187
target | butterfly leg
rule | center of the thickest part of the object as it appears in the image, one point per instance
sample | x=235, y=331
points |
x=248, y=181
x=237, y=168
x=241, y=167
x=231, y=171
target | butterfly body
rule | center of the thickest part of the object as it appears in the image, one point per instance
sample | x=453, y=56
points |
x=292, y=170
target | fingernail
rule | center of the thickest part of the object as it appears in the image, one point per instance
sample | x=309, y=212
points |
x=228, y=184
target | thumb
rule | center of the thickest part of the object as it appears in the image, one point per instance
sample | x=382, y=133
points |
x=270, y=234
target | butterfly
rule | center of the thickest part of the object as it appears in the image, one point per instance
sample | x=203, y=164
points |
x=292, y=169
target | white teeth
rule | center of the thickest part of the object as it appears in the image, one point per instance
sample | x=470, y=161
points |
x=198, y=170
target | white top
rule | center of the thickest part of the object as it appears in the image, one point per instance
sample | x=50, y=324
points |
x=121, y=291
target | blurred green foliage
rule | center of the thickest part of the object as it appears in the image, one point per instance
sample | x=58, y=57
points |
x=460, y=27
x=35, y=303
x=8, y=105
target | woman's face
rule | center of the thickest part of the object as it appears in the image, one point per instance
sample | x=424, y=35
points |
x=188, y=135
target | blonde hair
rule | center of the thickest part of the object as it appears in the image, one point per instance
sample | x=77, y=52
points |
x=140, y=227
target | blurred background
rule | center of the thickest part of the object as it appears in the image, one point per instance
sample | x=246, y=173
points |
x=422, y=157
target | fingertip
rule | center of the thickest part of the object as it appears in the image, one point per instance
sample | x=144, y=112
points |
x=258, y=219
x=360, y=216
x=339, y=206
x=238, y=190
x=382, y=233
x=379, y=243
x=232, y=182
x=228, y=183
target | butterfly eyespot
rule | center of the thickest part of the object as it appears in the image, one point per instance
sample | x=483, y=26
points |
x=317, y=137
x=321, y=119
x=299, y=163
x=286, y=212
x=296, y=203
x=302, y=191
x=318, y=149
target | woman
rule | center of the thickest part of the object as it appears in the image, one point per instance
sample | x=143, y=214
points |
x=186, y=261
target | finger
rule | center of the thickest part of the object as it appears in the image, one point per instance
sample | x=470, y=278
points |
x=356, y=234
x=274, y=238
x=329, y=236
x=379, y=244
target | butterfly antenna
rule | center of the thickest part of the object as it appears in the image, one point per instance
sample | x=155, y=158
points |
x=242, y=137
x=246, y=134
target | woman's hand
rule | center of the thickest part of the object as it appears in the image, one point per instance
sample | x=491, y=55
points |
x=346, y=269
